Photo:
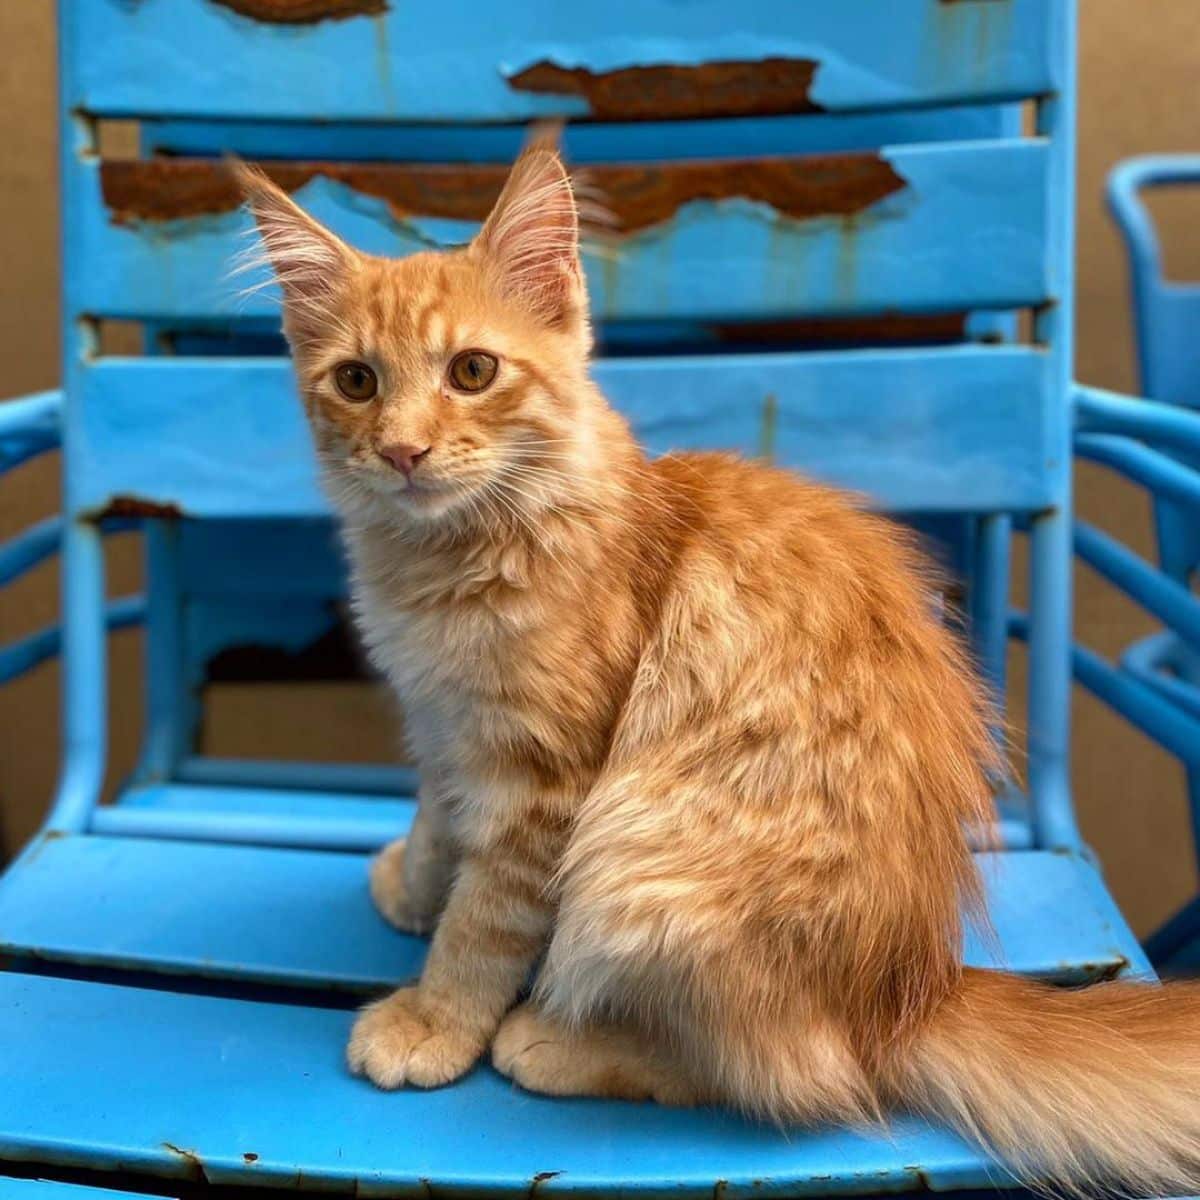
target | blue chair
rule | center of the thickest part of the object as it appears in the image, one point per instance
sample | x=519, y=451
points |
x=1155, y=444
x=182, y=962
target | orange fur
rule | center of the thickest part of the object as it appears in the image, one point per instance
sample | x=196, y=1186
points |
x=690, y=728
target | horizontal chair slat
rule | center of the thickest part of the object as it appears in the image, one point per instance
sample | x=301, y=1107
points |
x=951, y=429
x=937, y=227
x=452, y=60
x=583, y=142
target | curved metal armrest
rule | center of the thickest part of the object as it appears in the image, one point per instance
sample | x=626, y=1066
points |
x=1102, y=412
x=29, y=425
x=1154, y=660
x=1126, y=180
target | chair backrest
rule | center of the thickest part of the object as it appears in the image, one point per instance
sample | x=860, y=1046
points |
x=1166, y=316
x=829, y=216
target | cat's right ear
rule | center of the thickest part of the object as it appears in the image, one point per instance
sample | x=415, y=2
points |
x=309, y=261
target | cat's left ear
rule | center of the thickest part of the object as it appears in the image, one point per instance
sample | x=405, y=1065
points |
x=531, y=239
x=310, y=263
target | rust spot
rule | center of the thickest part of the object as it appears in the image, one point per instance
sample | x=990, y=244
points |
x=639, y=195
x=655, y=93
x=139, y=506
x=645, y=194
x=51, y=835
x=921, y=1176
x=1103, y=972
x=881, y=329
x=303, y=12
x=250, y=1157
x=190, y=1159
x=166, y=189
x=536, y=1182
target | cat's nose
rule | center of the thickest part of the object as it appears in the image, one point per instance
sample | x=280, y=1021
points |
x=403, y=456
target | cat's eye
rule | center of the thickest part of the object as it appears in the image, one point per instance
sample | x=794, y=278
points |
x=473, y=370
x=356, y=381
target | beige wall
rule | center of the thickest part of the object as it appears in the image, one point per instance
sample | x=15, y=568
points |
x=1140, y=67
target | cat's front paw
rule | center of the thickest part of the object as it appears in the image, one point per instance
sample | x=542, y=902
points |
x=389, y=892
x=397, y=1041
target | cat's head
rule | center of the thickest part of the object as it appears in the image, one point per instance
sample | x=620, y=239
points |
x=446, y=383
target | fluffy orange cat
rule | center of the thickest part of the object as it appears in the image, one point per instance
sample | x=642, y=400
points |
x=692, y=742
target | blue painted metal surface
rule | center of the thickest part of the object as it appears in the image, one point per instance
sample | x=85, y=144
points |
x=288, y=916
x=19, y=657
x=29, y=426
x=440, y=62
x=1171, y=602
x=965, y=227
x=889, y=423
x=610, y=141
x=237, y=812
x=206, y=1082
x=1162, y=661
x=1166, y=312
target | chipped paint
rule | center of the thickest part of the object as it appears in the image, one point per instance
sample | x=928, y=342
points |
x=177, y=189
x=667, y=91
x=137, y=506
x=303, y=12
x=541, y=1177
x=639, y=195
x=801, y=187
x=190, y=1160
x=37, y=846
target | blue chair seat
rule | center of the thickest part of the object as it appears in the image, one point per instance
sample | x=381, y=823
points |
x=181, y=1069
x=303, y=917
x=229, y=1091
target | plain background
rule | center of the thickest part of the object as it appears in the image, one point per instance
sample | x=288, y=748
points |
x=1139, y=83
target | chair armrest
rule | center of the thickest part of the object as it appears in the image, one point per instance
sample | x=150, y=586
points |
x=29, y=425
x=1102, y=412
x=1125, y=181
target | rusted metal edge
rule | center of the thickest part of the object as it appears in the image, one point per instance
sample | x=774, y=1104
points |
x=193, y=1165
x=639, y=195
x=303, y=12
x=667, y=91
x=128, y=505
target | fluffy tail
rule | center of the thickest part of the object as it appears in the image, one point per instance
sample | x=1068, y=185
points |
x=1098, y=1086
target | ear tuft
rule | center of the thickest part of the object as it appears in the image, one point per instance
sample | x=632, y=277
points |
x=531, y=237
x=306, y=258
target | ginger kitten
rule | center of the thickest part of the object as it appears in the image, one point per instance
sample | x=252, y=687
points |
x=690, y=737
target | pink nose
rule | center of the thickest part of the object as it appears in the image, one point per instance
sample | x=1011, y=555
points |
x=403, y=457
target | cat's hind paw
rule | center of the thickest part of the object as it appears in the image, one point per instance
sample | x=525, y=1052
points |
x=390, y=895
